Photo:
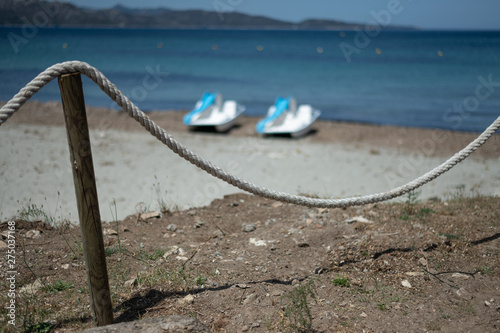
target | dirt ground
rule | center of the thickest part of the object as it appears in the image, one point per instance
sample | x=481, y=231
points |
x=247, y=264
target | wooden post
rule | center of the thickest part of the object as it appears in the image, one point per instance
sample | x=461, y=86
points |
x=86, y=196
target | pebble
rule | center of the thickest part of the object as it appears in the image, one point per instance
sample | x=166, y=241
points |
x=130, y=283
x=241, y=286
x=65, y=266
x=32, y=287
x=109, y=232
x=192, y=213
x=189, y=299
x=460, y=275
x=150, y=215
x=360, y=219
x=406, y=283
x=319, y=270
x=250, y=298
x=172, y=227
x=248, y=227
x=462, y=293
x=3, y=245
x=302, y=244
x=33, y=234
x=257, y=242
x=268, y=222
x=364, y=315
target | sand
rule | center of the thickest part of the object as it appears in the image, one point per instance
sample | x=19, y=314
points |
x=136, y=172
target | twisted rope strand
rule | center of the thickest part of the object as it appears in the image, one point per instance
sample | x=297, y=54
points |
x=116, y=95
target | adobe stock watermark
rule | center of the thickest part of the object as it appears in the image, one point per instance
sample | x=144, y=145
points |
x=11, y=273
x=455, y=115
x=460, y=111
x=225, y=6
x=151, y=81
x=31, y=25
x=372, y=29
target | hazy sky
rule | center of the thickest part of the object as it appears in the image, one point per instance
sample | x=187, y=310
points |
x=428, y=14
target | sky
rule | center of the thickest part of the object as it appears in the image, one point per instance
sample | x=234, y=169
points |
x=425, y=14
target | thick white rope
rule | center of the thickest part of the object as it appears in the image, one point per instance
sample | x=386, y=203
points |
x=116, y=95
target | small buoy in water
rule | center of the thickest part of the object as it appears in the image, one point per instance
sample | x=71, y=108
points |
x=378, y=51
x=319, y=49
x=65, y=45
x=159, y=45
x=440, y=53
x=260, y=48
x=214, y=47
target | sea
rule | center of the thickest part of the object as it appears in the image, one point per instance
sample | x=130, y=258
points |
x=429, y=79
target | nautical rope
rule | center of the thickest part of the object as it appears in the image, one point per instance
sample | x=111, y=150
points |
x=116, y=95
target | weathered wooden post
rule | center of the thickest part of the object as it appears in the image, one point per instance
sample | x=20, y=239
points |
x=86, y=196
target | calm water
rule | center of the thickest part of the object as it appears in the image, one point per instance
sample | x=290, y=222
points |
x=417, y=79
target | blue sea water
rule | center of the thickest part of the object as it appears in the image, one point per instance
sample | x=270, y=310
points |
x=437, y=79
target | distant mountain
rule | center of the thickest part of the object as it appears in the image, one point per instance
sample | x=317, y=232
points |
x=62, y=14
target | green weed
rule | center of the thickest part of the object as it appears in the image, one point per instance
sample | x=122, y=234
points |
x=296, y=312
x=341, y=281
x=484, y=269
x=44, y=327
x=155, y=255
x=57, y=286
x=444, y=315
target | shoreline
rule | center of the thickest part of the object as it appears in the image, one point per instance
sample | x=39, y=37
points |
x=408, y=139
x=132, y=167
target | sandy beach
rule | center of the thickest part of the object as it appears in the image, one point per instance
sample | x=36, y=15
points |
x=136, y=172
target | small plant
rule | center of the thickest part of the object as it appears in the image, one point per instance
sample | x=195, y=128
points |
x=109, y=251
x=341, y=281
x=32, y=212
x=162, y=204
x=34, y=314
x=296, y=311
x=381, y=306
x=115, y=219
x=200, y=280
x=409, y=208
x=444, y=315
x=178, y=279
x=425, y=211
x=57, y=286
x=44, y=327
x=484, y=269
x=155, y=255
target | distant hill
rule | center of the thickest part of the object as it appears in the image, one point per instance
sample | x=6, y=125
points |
x=62, y=14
